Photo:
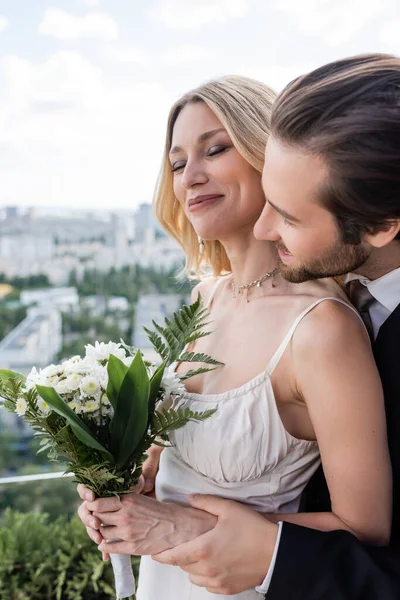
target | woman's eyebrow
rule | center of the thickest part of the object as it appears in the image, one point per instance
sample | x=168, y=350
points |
x=202, y=138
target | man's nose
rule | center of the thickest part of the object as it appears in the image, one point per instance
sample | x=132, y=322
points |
x=265, y=227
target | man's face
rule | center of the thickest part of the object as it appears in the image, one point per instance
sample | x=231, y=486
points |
x=306, y=234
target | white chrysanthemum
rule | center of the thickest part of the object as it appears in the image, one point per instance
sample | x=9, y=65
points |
x=52, y=371
x=61, y=387
x=43, y=406
x=171, y=383
x=76, y=406
x=21, y=406
x=73, y=381
x=128, y=360
x=89, y=386
x=53, y=380
x=101, y=351
x=81, y=366
x=33, y=378
x=105, y=400
x=90, y=406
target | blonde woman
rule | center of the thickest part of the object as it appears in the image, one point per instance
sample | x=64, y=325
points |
x=299, y=381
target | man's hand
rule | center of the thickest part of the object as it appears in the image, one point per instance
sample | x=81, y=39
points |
x=144, y=525
x=150, y=468
x=234, y=556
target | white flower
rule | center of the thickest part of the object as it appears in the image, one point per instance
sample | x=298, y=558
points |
x=61, y=387
x=171, y=383
x=101, y=351
x=90, y=406
x=43, y=406
x=105, y=400
x=89, y=386
x=128, y=360
x=32, y=379
x=76, y=406
x=52, y=371
x=81, y=366
x=73, y=381
x=53, y=380
x=21, y=406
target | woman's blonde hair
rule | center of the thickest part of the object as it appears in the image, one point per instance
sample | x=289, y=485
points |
x=243, y=106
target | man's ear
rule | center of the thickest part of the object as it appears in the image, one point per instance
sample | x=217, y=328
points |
x=383, y=236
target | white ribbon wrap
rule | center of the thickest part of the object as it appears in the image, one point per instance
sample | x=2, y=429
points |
x=123, y=575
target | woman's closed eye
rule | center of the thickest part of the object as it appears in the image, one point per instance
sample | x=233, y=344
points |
x=213, y=151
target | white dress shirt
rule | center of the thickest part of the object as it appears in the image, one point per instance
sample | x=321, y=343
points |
x=386, y=293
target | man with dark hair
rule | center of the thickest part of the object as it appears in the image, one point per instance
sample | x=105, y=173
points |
x=332, y=184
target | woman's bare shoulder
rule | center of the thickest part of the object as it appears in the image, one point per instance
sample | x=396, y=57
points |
x=323, y=288
x=204, y=288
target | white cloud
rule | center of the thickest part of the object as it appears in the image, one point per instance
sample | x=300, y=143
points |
x=77, y=138
x=335, y=22
x=186, y=54
x=182, y=14
x=92, y=3
x=127, y=55
x=4, y=23
x=62, y=25
x=276, y=76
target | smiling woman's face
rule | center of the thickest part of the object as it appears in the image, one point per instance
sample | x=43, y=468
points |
x=220, y=192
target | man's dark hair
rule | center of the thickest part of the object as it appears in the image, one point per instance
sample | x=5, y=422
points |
x=348, y=114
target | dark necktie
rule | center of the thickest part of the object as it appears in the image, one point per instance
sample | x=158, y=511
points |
x=362, y=299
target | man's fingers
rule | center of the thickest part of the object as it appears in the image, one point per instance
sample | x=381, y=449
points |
x=150, y=468
x=211, y=504
x=184, y=554
x=105, y=556
x=139, y=487
x=101, y=505
x=85, y=493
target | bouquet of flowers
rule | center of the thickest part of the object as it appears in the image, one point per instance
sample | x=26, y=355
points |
x=101, y=412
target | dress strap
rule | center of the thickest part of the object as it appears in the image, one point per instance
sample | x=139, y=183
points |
x=213, y=290
x=278, y=354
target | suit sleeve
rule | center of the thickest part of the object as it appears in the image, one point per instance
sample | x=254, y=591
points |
x=316, y=565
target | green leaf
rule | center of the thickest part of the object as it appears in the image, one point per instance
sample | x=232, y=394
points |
x=116, y=370
x=198, y=357
x=193, y=372
x=168, y=420
x=7, y=374
x=79, y=428
x=131, y=414
x=155, y=383
x=186, y=325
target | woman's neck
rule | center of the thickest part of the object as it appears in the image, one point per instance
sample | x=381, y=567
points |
x=250, y=258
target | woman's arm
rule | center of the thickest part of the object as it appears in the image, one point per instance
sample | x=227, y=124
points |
x=336, y=375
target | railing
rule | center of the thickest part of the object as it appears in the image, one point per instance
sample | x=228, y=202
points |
x=37, y=477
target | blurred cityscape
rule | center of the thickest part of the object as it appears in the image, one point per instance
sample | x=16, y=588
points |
x=68, y=278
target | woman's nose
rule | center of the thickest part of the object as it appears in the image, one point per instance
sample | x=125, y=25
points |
x=193, y=174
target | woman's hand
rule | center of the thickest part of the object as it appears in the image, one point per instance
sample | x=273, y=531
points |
x=144, y=525
x=91, y=522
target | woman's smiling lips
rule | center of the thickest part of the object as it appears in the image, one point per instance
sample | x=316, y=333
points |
x=202, y=201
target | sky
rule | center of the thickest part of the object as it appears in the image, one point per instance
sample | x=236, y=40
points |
x=86, y=85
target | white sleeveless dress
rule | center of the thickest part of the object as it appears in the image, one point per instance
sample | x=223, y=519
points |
x=243, y=453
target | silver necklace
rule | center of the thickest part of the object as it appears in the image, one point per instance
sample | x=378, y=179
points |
x=256, y=283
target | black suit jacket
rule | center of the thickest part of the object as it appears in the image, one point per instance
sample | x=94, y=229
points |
x=314, y=565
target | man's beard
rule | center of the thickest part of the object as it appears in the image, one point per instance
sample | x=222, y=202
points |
x=339, y=259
